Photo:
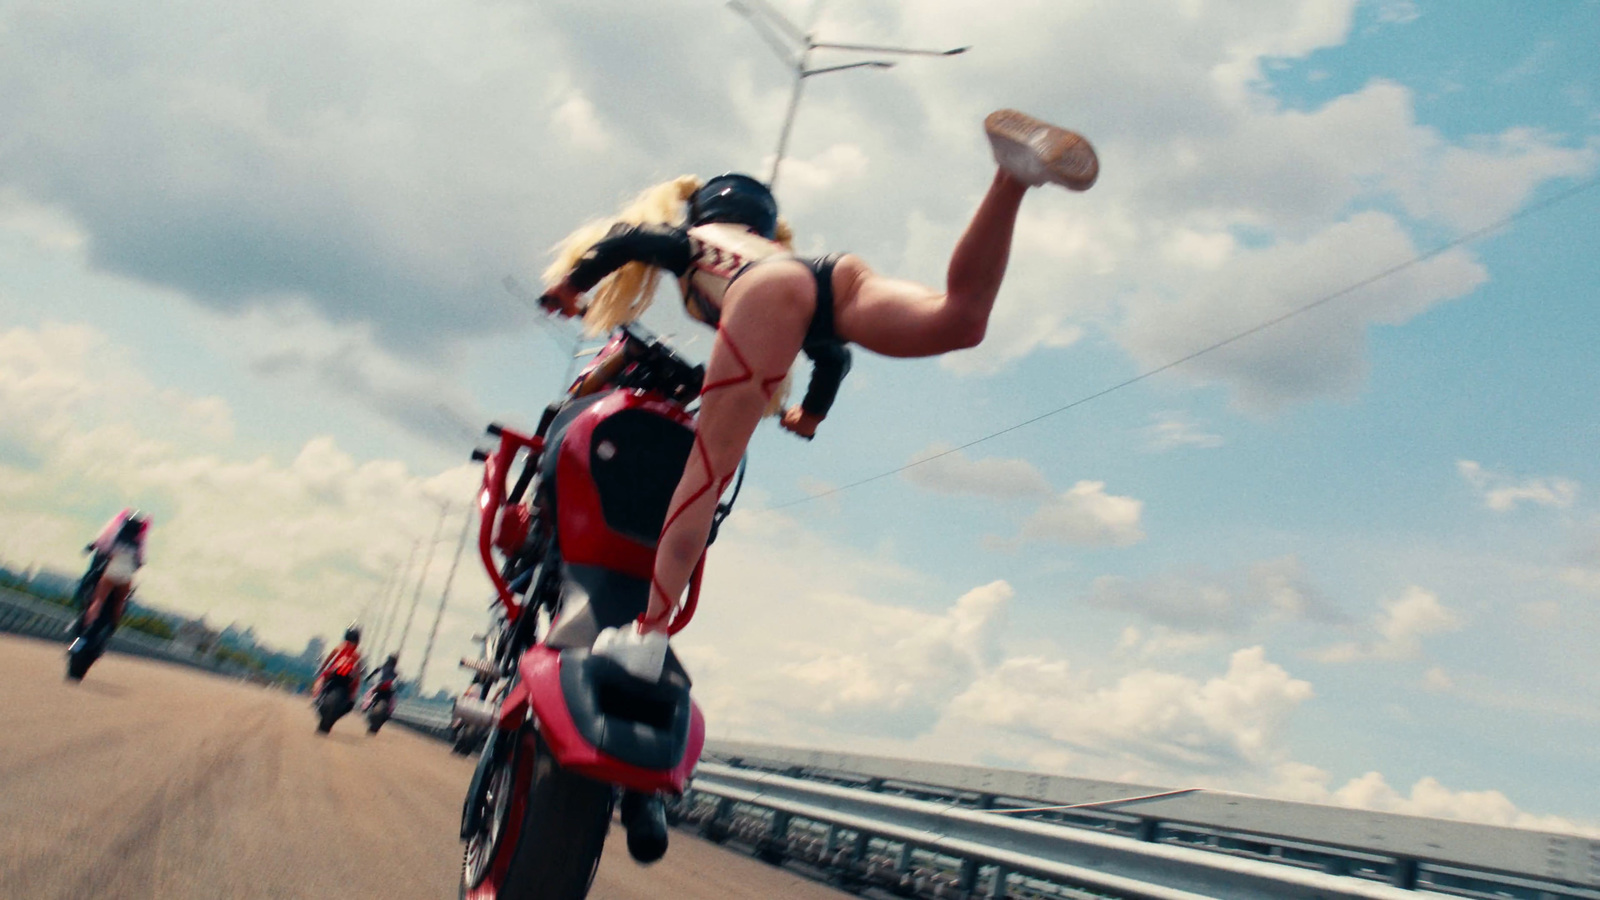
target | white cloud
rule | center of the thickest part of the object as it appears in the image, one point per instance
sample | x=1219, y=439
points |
x=950, y=471
x=1175, y=430
x=1086, y=515
x=1428, y=797
x=1501, y=493
x=1148, y=717
x=1399, y=629
x=1315, y=353
x=1162, y=641
x=1437, y=679
x=901, y=658
x=576, y=119
x=1199, y=602
x=293, y=548
x=1397, y=12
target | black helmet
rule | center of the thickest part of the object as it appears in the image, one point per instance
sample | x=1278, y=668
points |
x=353, y=634
x=133, y=525
x=393, y=660
x=739, y=199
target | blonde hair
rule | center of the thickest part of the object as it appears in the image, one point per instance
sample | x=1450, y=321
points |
x=625, y=294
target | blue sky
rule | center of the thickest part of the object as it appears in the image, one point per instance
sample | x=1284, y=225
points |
x=250, y=277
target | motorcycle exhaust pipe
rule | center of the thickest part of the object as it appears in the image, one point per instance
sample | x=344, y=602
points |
x=477, y=713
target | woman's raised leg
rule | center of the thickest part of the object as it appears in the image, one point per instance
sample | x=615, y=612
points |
x=902, y=318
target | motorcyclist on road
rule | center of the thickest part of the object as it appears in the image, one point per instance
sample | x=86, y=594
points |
x=342, y=665
x=118, y=554
x=383, y=682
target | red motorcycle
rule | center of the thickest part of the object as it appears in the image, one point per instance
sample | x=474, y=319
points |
x=567, y=729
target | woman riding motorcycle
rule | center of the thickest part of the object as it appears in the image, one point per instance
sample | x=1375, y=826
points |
x=723, y=241
x=118, y=554
x=383, y=682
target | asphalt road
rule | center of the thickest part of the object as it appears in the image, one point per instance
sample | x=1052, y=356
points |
x=153, y=781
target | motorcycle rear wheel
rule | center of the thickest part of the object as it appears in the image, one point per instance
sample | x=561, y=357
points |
x=78, y=664
x=552, y=830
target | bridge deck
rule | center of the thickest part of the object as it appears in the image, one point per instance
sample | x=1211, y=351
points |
x=151, y=780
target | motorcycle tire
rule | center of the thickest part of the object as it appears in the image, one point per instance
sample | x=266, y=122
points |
x=94, y=640
x=560, y=828
x=78, y=664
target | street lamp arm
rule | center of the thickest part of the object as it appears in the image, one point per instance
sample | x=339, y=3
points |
x=873, y=64
x=768, y=35
x=777, y=18
x=903, y=51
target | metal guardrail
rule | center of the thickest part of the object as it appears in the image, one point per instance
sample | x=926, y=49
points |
x=1008, y=847
x=1398, y=852
x=26, y=615
x=429, y=718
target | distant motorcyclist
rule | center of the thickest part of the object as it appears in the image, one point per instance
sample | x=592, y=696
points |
x=382, y=682
x=118, y=554
x=342, y=667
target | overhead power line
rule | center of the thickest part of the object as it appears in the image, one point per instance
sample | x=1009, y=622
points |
x=1467, y=238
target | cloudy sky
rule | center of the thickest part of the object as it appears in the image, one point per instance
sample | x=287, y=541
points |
x=250, y=278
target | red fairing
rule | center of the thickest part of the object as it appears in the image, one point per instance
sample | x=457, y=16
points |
x=541, y=676
x=515, y=523
x=585, y=537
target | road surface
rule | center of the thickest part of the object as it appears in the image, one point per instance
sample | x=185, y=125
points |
x=153, y=781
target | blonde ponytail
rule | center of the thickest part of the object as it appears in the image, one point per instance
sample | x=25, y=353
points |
x=625, y=294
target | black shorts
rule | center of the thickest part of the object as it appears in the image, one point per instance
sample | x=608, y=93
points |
x=821, y=328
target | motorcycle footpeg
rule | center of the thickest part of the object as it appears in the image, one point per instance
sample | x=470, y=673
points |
x=645, y=818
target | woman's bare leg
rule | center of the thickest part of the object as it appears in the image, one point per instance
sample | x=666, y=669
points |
x=102, y=590
x=903, y=318
x=764, y=320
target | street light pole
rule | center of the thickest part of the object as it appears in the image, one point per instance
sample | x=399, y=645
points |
x=449, y=579
x=794, y=47
x=377, y=597
x=427, y=560
x=392, y=608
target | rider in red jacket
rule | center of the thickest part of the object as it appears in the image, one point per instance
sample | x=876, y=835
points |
x=343, y=663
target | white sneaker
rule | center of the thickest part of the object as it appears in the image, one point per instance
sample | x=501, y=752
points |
x=642, y=655
x=1035, y=152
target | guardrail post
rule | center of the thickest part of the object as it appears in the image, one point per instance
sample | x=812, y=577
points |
x=967, y=877
x=997, y=885
x=1148, y=830
x=1405, y=874
x=774, y=845
x=715, y=826
x=902, y=863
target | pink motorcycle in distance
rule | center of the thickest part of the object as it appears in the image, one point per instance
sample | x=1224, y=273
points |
x=576, y=540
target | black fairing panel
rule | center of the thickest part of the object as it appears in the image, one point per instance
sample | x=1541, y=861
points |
x=639, y=723
x=637, y=459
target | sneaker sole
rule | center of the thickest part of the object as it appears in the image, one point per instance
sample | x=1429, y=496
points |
x=1067, y=157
